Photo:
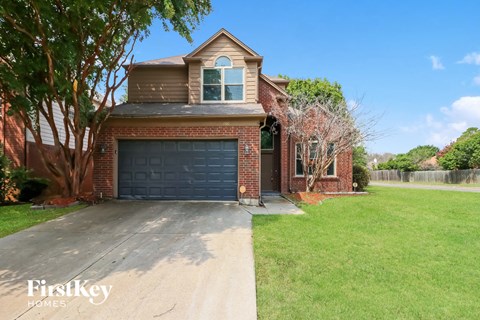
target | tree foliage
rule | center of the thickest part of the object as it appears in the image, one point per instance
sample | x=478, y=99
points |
x=413, y=160
x=421, y=153
x=400, y=162
x=317, y=89
x=360, y=156
x=464, y=153
x=57, y=55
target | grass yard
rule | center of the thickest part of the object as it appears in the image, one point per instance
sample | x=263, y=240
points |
x=19, y=217
x=394, y=254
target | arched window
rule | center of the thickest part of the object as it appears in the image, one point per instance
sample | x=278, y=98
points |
x=223, y=82
x=223, y=62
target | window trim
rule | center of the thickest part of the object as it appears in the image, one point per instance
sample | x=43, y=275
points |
x=325, y=176
x=222, y=82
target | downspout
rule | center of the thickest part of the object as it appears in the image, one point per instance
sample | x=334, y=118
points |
x=2, y=142
x=289, y=158
x=25, y=147
x=3, y=125
x=260, y=162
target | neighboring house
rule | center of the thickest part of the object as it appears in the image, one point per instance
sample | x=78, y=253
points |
x=197, y=127
x=19, y=146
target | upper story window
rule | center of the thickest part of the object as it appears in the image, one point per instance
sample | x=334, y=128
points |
x=223, y=62
x=223, y=82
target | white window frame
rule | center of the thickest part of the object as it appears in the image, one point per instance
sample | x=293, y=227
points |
x=334, y=175
x=222, y=82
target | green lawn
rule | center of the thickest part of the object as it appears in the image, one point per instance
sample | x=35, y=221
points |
x=394, y=254
x=19, y=217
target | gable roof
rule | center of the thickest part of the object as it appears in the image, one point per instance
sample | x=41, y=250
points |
x=277, y=79
x=271, y=83
x=173, y=61
x=228, y=35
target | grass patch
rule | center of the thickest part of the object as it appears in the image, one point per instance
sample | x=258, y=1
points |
x=18, y=217
x=394, y=254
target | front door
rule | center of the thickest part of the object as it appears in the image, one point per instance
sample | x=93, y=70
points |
x=270, y=175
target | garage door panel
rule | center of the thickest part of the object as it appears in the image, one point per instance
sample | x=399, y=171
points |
x=200, y=177
x=199, y=146
x=155, y=191
x=168, y=169
x=156, y=176
x=213, y=146
x=230, y=177
x=169, y=146
x=170, y=176
x=184, y=146
x=230, y=146
x=155, y=161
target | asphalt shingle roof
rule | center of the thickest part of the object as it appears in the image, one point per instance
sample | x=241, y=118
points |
x=154, y=109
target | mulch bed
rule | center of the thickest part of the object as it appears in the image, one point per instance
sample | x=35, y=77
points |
x=60, y=202
x=316, y=197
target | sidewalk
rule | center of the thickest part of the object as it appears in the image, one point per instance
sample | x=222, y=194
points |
x=274, y=205
x=409, y=185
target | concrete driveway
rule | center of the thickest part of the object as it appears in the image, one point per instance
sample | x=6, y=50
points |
x=141, y=260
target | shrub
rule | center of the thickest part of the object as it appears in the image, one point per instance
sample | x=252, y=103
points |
x=18, y=184
x=464, y=153
x=7, y=187
x=361, y=176
x=30, y=187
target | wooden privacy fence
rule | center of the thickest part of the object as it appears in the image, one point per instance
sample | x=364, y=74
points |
x=443, y=176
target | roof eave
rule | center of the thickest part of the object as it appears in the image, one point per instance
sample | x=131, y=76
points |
x=196, y=116
x=187, y=60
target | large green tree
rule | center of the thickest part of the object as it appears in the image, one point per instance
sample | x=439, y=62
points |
x=413, y=160
x=318, y=89
x=464, y=153
x=58, y=55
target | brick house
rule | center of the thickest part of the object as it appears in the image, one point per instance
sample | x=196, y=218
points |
x=19, y=146
x=197, y=126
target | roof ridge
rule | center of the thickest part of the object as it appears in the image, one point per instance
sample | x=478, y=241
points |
x=229, y=35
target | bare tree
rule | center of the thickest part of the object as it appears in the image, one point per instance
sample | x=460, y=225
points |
x=322, y=130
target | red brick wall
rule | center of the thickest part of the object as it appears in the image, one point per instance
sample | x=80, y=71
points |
x=267, y=96
x=289, y=183
x=341, y=183
x=35, y=163
x=13, y=138
x=248, y=175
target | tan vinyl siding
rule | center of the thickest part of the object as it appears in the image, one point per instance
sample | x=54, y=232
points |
x=47, y=134
x=251, y=77
x=219, y=47
x=161, y=84
x=194, y=83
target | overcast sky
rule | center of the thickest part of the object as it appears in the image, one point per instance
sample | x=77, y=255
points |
x=415, y=62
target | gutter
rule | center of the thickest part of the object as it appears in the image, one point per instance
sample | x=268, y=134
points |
x=182, y=116
x=260, y=160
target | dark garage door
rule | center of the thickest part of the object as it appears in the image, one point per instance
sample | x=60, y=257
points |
x=181, y=170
